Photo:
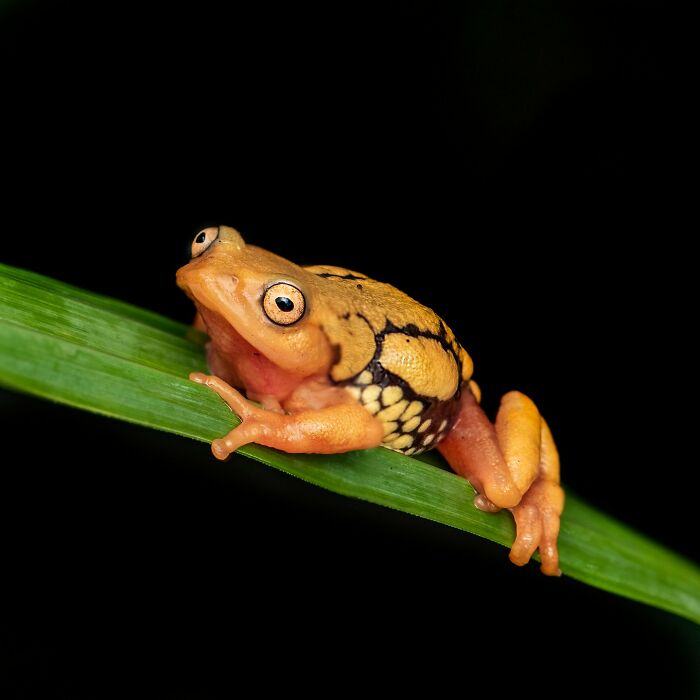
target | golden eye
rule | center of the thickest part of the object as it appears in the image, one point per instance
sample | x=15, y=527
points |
x=283, y=303
x=203, y=240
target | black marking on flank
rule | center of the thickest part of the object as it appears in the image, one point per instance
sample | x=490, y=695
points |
x=411, y=330
x=433, y=408
x=337, y=353
x=384, y=377
x=349, y=276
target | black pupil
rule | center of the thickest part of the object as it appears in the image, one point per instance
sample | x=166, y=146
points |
x=200, y=237
x=284, y=304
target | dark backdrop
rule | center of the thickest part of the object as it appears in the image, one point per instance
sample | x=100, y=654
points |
x=516, y=168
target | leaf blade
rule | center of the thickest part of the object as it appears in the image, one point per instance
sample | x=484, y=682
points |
x=69, y=354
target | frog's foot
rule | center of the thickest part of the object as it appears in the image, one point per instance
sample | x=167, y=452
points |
x=537, y=523
x=249, y=429
x=340, y=426
x=538, y=515
x=513, y=464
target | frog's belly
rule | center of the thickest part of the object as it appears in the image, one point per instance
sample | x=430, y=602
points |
x=412, y=423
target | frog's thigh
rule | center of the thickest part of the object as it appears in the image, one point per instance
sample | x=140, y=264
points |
x=501, y=461
x=519, y=429
x=472, y=450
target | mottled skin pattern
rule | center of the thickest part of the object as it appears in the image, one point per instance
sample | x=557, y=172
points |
x=401, y=361
x=342, y=362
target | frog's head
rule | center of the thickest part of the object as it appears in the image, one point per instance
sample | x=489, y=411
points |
x=268, y=301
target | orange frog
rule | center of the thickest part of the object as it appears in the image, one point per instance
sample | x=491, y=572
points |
x=339, y=362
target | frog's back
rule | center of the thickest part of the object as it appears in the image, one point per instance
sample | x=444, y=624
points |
x=396, y=356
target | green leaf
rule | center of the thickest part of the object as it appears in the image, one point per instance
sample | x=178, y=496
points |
x=96, y=353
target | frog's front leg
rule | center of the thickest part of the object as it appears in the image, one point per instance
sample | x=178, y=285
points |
x=513, y=464
x=338, y=427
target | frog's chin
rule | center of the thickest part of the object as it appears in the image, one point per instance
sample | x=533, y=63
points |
x=231, y=357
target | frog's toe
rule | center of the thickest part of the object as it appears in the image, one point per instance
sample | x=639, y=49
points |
x=248, y=431
x=220, y=450
x=235, y=400
x=537, y=522
x=483, y=504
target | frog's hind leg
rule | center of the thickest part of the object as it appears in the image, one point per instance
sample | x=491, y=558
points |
x=538, y=513
x=513, y=464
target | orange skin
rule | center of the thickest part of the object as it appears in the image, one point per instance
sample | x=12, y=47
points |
x=341, y=362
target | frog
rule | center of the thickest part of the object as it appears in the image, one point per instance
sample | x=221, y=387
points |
x=323, y=359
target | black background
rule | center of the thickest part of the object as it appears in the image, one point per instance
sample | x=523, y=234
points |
x=519, y=169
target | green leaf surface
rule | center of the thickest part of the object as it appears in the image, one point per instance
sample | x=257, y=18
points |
x=103, y=355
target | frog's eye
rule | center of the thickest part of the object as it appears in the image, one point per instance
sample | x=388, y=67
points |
x=283, y=303
x=203, y=240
